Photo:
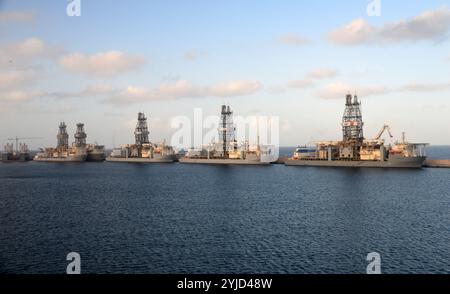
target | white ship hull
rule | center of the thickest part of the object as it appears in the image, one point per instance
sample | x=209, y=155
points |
x=80, y=158
x=222, y=161
x=140, y=160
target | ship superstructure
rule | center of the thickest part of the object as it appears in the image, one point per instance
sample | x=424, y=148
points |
x=18, y=151
x=227, y=150
x=356, y=151
x=143, y=150
x=63, y=152
x=21, y=153
x=94, y=152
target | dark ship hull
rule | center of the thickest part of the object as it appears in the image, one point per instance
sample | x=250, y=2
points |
x=95, y=155
x=22, y=157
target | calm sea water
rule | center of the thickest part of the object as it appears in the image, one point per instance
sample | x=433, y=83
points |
x=175, y=218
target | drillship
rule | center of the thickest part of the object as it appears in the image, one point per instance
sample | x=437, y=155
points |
x=63, y=153
x=356, y=151
x=227, y=151
x=22, y=153
x=143, y=151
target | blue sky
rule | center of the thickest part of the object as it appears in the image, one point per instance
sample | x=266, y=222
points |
x=292, y=59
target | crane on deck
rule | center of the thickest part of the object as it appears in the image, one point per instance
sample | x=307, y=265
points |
x=381, y=132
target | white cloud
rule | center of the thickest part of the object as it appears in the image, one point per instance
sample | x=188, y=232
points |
x=16, y=16
x=179, y=89
x=425, y=87
x=300, y=83
x=340, y=89
x=89, y=91
x=293, y=39
x=14, y=98
x=103, y=64
x=31, y=47
x=97, y=89
x=19, y=53
x=277, y=89
x=431, y=25
x=19, y=96
x=17, y=78
x=316, y=74
x=235, y=88
x=194, y=54
x=184, y=89
x=18, y=63
x=131, y=94
x=322, y=73
x=167, y=91
x=17, y=71
x=357, y=32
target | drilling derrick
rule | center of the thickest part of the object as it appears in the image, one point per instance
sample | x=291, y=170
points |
x=62, y=137
x=352, y=128
x=80, y=136
x=352, y=124
x=227, y=131
x=141, y=131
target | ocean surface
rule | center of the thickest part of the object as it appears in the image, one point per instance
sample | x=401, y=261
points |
x=175, y=218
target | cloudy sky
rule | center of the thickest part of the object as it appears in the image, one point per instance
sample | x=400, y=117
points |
x=292, y=59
